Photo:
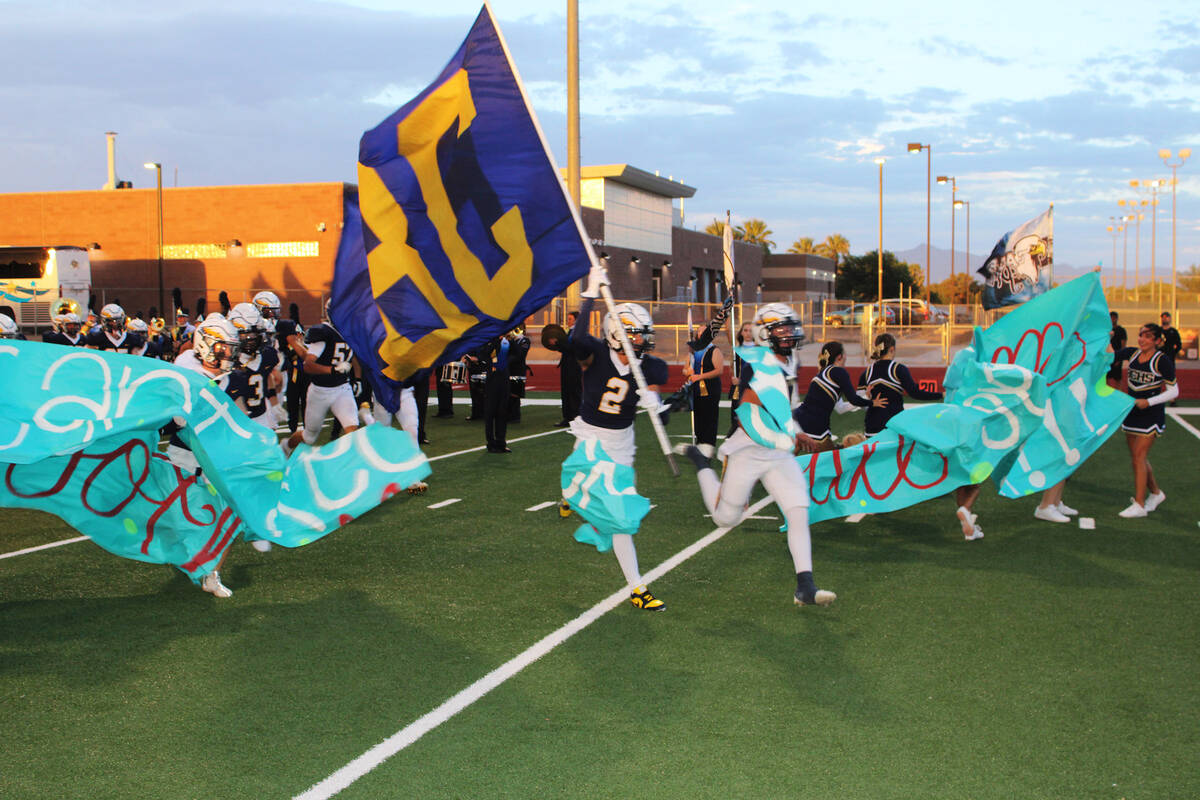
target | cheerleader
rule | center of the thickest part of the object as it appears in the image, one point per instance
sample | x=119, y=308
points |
x=1152, y=385
x=831, y=384
x=890, y=380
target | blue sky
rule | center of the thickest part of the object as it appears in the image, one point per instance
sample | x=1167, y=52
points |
x=770, y=109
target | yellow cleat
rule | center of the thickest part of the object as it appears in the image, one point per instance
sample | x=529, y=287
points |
x=564, y=509
x=641, y=598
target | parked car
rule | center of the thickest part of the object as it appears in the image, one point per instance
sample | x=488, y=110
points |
x=912, y=311
x=854, y=315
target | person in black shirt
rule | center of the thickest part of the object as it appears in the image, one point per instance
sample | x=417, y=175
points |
x=68, y=330
x=111, y=334
x=1172, y=344
x=1152, y=385
x=830, y=385
x=495, y=354
x=517, y=370
x=328, y=361
x=703, y=374
x=570, y=380
x=1117, y=340
x=890, y=380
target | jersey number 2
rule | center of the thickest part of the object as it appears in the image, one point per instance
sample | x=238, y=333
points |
x=610, y=401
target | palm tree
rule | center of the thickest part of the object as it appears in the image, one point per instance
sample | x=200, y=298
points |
x=715, y=228
x=834, y=246
x=803, y=246
x=755, y=231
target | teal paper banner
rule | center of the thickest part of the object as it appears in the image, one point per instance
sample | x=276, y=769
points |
x=79, y=439
x=602, y=492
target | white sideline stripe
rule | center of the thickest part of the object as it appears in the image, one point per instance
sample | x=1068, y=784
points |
x=540, y=506
x=1177, y=415
x=476, y=691
x=510, y=441
x=444, y=503
x=59, y=543
x=856, y=518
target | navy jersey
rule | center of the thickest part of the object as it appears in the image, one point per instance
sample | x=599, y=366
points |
x=610, y=398
x=251, y=383
x=1147, y=379
x=57, y=337
x=128, y=343
x=329, y=348
x=827, y=386
x=283, y=329
x=890, y=379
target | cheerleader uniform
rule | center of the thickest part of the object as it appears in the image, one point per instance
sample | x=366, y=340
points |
x=830, y=384
x=891, y=380
x=1148, y=379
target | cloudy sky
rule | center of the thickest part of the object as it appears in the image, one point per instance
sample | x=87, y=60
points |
x=769, y=108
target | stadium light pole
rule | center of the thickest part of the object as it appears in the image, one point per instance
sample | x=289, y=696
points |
x=880, y=161
x=943, y=179
x=917, y=147
x=157, y=167
x=1137, y=216
x=960, y=204
x=1165, y=155
x=573, y=166
x=1115, y=230
x=1152, y=186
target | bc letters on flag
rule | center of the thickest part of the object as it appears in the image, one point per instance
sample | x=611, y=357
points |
x=1020, y=264
x=462, y=228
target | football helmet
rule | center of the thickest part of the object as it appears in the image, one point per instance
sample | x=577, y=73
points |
x=69, y=323
x=136, y=325
x=249, y=324
x=776, y=326
x=638, y=325
x=8, y=328
x=112, y=317
x=216, y=343
x=267, y=304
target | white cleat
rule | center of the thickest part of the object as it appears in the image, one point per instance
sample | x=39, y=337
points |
x=1155, y=500
x=967, y=520
x=1050, y=514
x=822, y=597
x=212, y=584
x=261, y=545
x=976, y=533
x=1066, y=510
x=1135, y=510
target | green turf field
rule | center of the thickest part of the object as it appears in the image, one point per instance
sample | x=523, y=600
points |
x=1043, y=661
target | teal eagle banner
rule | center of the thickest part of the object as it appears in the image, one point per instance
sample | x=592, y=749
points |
x=79, y=439
x=461, y=227
x=1026, y=405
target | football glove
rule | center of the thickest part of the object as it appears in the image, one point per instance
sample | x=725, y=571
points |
x=597, y=277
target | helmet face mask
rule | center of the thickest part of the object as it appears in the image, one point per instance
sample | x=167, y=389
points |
x=70, y=324
x=246, y=319
x=638, y=325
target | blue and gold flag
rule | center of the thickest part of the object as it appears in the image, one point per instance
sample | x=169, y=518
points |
x=463, y=226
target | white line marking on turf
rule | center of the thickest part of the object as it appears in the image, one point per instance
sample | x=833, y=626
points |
x=477, y=690
x=540, y=506
x=856, y=518
x=1177, y=415
x=510, y=441
x=59, y=543
x=444, y=503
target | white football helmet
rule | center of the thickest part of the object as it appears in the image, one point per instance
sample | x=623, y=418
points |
x=112, y=318
x=638, y=325
x=249, y=324
x=776, y=326
x=8, y=328
x=138, y=326
x=216, y=343
x=268, y=308
x=69, y=323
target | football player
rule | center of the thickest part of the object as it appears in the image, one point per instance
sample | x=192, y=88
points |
x=8, y=328
x=289, y=343
x=111, y=333
x=68, y=330
x=328, y=361
x=213, y=354
x=149, y=346
x=764, y=447
x=257, y=379
x=611, y=399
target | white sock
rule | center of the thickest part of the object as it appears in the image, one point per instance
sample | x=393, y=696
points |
x=799, y=541
x=710, y=488
x=626, y=555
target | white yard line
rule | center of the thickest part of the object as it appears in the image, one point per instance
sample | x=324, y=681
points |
x=464, y=699
x=59, y=543
x=540, y=506
x=856, y=518
x=445, y=503
x=1177, y=415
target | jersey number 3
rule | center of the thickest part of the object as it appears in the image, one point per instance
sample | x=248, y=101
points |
x=610, y=401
